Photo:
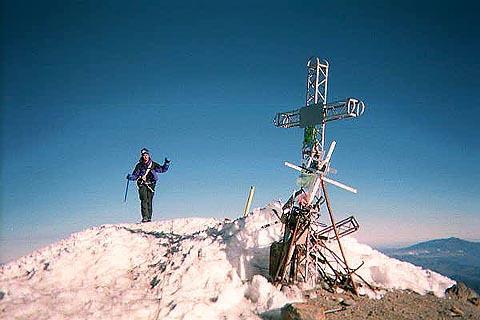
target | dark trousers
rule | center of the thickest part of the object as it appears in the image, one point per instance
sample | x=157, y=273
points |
x=146, y=199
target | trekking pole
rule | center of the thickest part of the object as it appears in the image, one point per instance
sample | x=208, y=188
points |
x=126, y=191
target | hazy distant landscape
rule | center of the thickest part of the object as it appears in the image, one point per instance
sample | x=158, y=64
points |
x=456, y=258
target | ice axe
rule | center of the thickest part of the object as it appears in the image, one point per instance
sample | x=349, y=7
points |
x=126, y=191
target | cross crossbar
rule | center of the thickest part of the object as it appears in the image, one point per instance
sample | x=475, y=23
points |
x=316, y=114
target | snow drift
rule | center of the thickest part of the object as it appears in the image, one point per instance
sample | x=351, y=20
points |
x=192, y=268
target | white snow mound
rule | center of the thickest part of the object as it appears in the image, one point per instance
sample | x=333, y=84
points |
x=192, y=268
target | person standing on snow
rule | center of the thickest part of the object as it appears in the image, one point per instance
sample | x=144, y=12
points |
x=146, y=173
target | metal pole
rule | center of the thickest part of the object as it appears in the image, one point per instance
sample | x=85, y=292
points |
x=334, y=226
x=249, y=201
x=325, y=88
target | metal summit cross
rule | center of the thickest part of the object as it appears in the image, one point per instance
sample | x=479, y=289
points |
x=305, y=253
x=316, y=113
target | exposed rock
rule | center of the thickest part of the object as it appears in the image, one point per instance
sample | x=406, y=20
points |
x=475, y=301
x=461, y=292
x=456, y=312
x=348, y=302
x=302, y=311
x=395, y=305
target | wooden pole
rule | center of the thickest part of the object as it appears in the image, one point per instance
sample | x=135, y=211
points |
x=249, y=201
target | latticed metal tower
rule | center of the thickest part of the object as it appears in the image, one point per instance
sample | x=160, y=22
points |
x=317, y=88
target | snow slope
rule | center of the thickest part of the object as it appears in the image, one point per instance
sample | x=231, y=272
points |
x=193, y=268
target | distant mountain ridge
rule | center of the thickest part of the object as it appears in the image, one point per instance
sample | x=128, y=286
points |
x=449, y=244
x=456, y=258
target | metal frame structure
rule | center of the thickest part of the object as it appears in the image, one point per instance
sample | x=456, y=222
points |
x=305, y=255
x=317, y=89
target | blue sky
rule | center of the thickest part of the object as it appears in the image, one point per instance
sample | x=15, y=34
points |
x=86, y=84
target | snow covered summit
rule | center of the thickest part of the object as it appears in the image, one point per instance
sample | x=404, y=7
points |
x=192, y=268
